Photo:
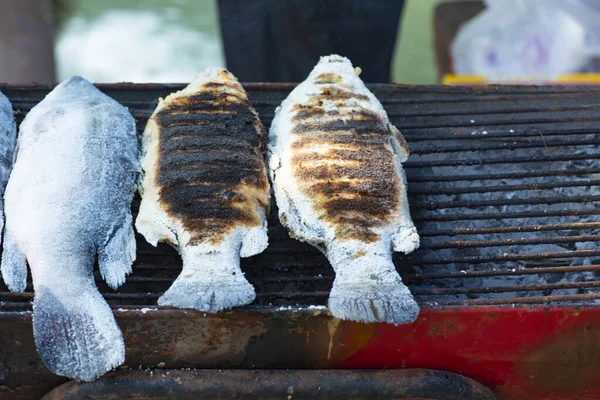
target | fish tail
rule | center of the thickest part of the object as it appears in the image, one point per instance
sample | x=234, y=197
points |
x=76, y=333
x=368, y=289
x=209, y=282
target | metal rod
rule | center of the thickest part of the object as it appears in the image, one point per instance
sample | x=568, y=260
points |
x=466, y=244
x=421, y=276
x=436, y=205
x=504, y=146
x=501, y=188
x=522, y=300
x=500, y=258
x=509, y=229
x=505, y=289
x=501, y=215
x=507, y=175
x=499, y=160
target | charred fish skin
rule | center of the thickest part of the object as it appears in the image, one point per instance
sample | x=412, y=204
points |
x=335, y=162
x=205, y=189
x=68, y=199
x=8, y=135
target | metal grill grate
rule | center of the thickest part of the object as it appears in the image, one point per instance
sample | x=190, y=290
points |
x=503, y=187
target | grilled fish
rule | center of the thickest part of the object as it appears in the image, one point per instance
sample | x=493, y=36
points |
x=8, y=134
x=68, y=199
x=335, y=165
x=205, y=189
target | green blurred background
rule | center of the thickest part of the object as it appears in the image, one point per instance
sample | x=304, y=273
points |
x=105, y=40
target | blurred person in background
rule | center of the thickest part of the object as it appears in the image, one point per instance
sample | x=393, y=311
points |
x=26, y=40
x=282, y=40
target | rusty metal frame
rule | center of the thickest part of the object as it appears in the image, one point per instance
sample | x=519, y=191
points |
x=277, y=384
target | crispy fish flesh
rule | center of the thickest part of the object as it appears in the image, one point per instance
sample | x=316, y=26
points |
x=205, y=189
x=335, y=165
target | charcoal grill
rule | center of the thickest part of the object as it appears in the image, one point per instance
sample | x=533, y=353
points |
x=503, y=187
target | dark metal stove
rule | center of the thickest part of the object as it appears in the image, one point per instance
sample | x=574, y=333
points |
x=503, y=187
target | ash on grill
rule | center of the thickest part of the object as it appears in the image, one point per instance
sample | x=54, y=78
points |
x=503, y=186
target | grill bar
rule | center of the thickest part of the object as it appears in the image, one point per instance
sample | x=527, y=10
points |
x=510, y=229
x=473, y=132
x=502, y=272
x=504, y=289
x=501, y=258
x=508, y=175
x=432, y=205
x=503, y=188
x=581, y=297
x=514, y=145
x=465, y=244
x=501, y=160
x=503, y=215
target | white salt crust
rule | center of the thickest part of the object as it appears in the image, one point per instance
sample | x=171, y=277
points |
x=68, y=199
x=211, y=279
x=8, y=135
x=367, y=287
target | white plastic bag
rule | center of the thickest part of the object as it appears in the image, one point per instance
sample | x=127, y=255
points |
x=529, y=40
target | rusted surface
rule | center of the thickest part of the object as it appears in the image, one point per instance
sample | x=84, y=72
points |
x=211, y=170
x=271, y=385
x=566, y=363
x=511, y=350
x=352, y=179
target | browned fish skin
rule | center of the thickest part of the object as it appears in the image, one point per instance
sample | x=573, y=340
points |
x=211, y=170
x=354, y=183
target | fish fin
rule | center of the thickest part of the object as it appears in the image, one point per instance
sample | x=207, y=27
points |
x=117, y=255
x=398, y=143
x=210, y=283
x=405, y=239
x=367, y=301
x=76, y=333
x=151, y=223
x=255, y=241
x=14, y=265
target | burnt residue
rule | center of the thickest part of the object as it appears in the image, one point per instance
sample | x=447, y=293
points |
x=345, y=163
x=327, y=78
x=211, y=170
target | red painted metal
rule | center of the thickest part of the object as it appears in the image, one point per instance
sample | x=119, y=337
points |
x=520, y=352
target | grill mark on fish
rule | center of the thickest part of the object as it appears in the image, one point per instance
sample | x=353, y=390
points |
x=327, y=78
x=361, y=188
x=209, y=190
x=232, y=159
x=188, y=173
x=355, y=188
x=316, y=139
x=331, y=94
x=360, y=126
x=313, y=112
x=210, y=142
x=367, y=156
x=191, y=140
x=221, y=85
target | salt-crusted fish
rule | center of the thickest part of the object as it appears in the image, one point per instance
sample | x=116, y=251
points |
x=68, y=199
x=8, y=134
x=335, y=164
x=205, y=189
